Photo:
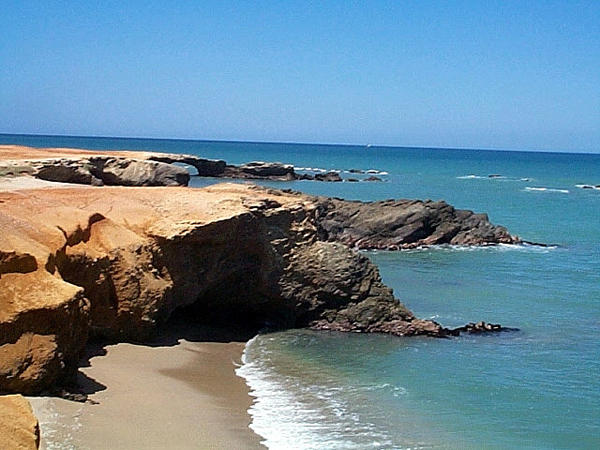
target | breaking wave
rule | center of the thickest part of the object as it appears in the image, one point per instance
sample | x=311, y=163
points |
x=297, y=409
x=546, y=189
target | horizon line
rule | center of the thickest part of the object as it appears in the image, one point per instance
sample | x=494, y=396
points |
x=324, y=144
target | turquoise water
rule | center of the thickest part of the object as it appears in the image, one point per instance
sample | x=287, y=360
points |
x=538, y=388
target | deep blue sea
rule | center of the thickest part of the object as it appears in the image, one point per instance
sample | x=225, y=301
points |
x=537, y=388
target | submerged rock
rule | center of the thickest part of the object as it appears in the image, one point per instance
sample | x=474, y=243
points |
x=328, y=176
x=479, y=328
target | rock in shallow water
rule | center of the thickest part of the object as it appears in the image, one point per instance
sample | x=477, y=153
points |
x=404, y=224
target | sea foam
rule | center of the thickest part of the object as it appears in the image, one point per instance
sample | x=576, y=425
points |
x=296, y=410
x=546, y=189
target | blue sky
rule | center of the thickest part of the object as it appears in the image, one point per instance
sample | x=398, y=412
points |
x=471, y=74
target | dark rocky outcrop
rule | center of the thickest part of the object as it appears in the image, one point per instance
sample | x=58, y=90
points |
x=204, y=167
x=404, y=224
x=259, y=170
x=328, y=176
x=256, y=170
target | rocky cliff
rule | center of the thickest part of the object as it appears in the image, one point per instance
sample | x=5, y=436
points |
x=19, y=429
x=116, y=262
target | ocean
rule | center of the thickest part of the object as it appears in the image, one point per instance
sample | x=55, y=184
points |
x=536, y=388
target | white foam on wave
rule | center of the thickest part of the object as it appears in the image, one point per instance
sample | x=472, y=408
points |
x=470, y=177
x=546, y=189
x=524, y=247
x=293, y=413
x=353, y=172
x=58, y=428
x=491, y=177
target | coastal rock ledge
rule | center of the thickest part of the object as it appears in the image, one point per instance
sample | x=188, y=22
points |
x=116, y=262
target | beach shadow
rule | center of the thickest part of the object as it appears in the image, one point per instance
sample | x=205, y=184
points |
x=87, y=385
x=182, y=325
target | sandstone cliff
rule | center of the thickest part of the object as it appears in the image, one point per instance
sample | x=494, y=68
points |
x=116, y=262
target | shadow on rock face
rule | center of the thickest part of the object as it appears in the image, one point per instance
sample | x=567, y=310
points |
x=184, y=323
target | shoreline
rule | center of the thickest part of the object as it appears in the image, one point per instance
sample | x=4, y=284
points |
x=177, y=392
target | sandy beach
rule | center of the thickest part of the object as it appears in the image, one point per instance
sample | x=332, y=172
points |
x=177, y=393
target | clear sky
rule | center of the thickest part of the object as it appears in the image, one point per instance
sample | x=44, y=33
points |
x=472, y=74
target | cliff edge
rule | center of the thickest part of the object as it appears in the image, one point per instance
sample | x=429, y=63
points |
x=116, y=262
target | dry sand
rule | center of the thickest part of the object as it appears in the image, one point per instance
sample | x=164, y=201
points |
x=180, y=396
x=19, y=183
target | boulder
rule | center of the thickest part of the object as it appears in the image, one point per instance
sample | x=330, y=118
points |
x=43, y=330
x=100, y=170
x=129, y=172
x=66, y=171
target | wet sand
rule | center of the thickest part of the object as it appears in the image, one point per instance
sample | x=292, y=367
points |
x=179, y=394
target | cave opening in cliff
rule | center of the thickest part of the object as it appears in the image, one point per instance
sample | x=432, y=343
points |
x=232, y=310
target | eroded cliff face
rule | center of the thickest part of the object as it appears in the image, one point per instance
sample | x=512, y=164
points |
x=116, y=262
x=19, y=429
